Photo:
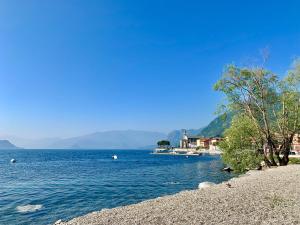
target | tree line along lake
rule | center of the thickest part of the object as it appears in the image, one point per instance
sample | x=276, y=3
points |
x=46, y=185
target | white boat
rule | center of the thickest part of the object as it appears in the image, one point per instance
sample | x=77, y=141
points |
x=114, y=157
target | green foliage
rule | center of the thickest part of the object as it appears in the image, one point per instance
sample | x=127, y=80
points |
x=163, y=143
x=248, y=87
x=242, y=144
x=294, y=161
x=271, y=105
x=288, y=116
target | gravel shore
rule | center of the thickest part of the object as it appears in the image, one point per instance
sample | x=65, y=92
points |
x=259, y=197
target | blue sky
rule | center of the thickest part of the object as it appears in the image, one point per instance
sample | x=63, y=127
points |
x=75, y=67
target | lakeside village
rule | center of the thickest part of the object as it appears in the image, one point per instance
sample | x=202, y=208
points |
x=198, y=145
x=190, y=145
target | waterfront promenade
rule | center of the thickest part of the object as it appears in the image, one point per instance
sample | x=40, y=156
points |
x=257, y=198
x=186, y=151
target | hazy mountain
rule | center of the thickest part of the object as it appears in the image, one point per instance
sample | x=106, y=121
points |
x=5, y=144
x=30, y=143
x=129, y=139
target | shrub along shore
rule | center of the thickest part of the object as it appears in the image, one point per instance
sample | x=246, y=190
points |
x=258, y=197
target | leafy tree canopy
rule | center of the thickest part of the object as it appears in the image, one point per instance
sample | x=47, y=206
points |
x=271, y=105
x=163, y=143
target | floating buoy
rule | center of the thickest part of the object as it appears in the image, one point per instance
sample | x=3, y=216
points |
x=13, y=161
x=114, y=157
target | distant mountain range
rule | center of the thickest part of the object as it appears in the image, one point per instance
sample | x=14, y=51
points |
x=30, y=143
x=5, y=144
x=127, y=139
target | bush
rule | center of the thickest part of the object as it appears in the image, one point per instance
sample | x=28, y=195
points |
x=239, y=149
x=294, y=161
x=163, y=143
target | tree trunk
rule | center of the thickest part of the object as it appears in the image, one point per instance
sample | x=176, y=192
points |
x=286, y=150
x=278, y=157
x=267, y=161
x=271, y=147
x=271, y=155
x=273, y=162
x=285, y=159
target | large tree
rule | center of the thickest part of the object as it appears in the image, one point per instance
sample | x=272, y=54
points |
x=272, y=105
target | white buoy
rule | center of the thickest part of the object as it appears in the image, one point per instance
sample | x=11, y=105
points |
x=13, y=161
x=114, y=157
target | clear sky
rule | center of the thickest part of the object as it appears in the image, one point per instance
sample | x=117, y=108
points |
x=75, y=67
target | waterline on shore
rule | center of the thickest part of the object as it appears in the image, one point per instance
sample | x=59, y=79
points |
x=242, y=200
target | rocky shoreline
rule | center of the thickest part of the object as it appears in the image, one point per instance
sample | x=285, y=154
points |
x=257, y=198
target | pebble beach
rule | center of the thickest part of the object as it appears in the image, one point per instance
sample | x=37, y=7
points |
x=264, y=197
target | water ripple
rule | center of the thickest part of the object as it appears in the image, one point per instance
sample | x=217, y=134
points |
x=47, y=185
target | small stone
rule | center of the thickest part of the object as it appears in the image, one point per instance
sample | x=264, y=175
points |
x=206, y=185
x=58, y=222
x=228, y=169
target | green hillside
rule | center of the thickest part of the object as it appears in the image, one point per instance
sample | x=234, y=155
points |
x=217, y=127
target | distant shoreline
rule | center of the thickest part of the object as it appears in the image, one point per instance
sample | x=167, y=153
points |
x=83, y=149
x=186, y=151
x=186, y=154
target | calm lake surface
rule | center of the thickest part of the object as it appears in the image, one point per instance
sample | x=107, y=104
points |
x=47, y=185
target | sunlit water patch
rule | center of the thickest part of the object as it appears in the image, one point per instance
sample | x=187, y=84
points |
x=28, y=208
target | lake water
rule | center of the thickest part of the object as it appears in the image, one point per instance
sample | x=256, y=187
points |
x=47, y=185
